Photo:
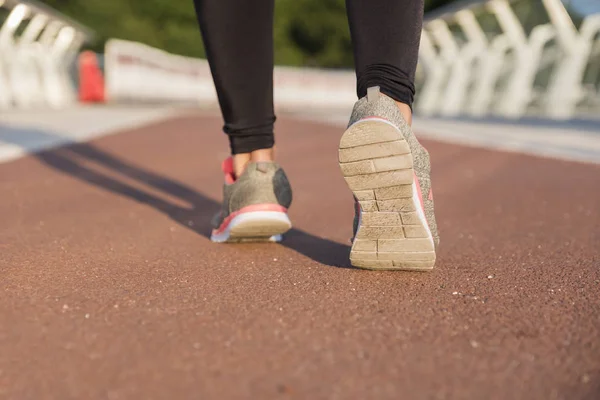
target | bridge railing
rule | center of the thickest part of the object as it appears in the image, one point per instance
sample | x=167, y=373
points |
x=138, y=73
x=507, y=58
x=37, y=47
x=477, y=58
x=486, y=58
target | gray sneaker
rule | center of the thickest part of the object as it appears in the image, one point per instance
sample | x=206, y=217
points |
x=254, y=205
x=388, y=171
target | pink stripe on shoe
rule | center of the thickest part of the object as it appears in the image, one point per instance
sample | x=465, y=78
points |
x=247, y=209
x=227, y=167
x=418, y=185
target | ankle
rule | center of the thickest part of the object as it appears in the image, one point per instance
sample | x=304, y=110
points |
x=263, y=155
x=404, y=108
x=241, y=160
x=405, y=111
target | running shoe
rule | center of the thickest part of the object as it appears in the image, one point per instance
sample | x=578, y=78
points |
x=255, y=204
x=388, y=171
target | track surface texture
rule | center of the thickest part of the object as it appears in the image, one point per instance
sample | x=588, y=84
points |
x=111, y=289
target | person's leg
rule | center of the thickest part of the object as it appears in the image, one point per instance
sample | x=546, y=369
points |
x=385, y=37
x=384, y=165
x=238, y=38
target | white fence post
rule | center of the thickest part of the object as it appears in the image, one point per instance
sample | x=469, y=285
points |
x=435, y=72
x=566, y=90
x=447, y=56
x=34, y=64
x=461, y=75
x=7, y=49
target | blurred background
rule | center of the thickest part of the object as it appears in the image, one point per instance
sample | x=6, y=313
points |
x=479, y=58
x=307, y=32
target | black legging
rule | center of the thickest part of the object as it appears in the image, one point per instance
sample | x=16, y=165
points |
x=238, y=37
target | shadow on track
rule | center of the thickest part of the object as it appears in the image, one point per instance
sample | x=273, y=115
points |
x=70, y=160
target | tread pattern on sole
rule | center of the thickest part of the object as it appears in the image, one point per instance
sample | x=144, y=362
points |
x=378, y=167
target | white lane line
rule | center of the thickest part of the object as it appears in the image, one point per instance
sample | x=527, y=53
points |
x=24, y=132
x=566, y=141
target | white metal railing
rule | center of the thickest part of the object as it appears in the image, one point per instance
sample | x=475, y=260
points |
x=466, y=67
x=136, y=72
x=37, y=47
x=495, y=73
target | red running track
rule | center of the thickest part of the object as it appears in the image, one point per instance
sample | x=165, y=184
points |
x=110, y=288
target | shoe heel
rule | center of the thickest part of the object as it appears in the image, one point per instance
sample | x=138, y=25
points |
x=377, y=164
x=254, y=226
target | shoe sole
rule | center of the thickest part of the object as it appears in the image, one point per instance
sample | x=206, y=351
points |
x=393, y=233
x=254, y=226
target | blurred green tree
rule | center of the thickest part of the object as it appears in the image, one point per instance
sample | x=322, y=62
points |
x=307, y=32
x=165, y=24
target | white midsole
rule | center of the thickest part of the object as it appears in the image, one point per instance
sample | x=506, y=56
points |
x=420, y=211
x=249, y=217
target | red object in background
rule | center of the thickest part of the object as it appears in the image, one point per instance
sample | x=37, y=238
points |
x=91, y=80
